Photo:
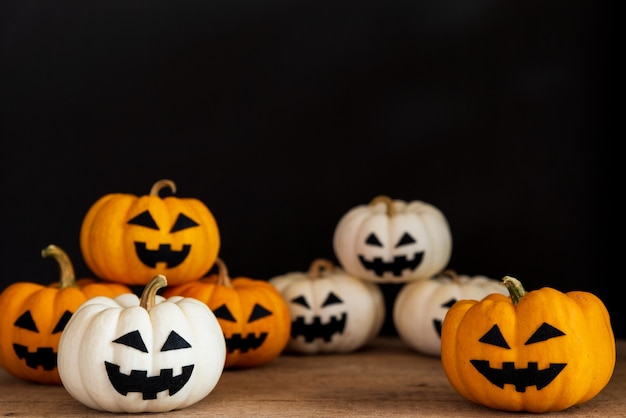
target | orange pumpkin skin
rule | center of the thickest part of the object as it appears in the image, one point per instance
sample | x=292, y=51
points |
x=491, y=350
x=253, y=315
x=34, y=316
x=130, y=239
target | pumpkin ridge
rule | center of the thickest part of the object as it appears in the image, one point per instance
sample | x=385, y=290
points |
x=107, y=261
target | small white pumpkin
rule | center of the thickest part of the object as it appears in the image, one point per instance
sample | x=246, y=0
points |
x=331, y=311
x=393, y=241
x=124, y=354
x=420, y=307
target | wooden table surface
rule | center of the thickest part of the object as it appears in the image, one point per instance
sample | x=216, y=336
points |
x=383, y=379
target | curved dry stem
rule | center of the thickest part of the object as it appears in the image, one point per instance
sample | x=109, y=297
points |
x=387, y=201
x=66, y=269
x=148, y=296
x=160, y=185
x=223, y=279
x=318, y=266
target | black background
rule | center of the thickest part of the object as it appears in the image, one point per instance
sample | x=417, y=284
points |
x=283, y=115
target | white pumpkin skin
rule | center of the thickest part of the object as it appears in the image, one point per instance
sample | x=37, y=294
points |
x=420, y=307
x=332, y=313
x=88, y=341
x=393, y=241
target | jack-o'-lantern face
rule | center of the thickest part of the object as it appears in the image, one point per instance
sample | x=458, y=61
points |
x=520, y=377
x=149, y=235
x=254, y=319
x=331, y=311
x=323, y=321
x=37, y=347
x=139, y=380
x=241, y=333
x=162, y=252
x=383, y=254
x=393, y=241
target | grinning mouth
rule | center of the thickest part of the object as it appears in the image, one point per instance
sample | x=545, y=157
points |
x=317, y=329
x=236, y=342
x=43, y=356
x=164, y=254
x=148, y=386
x=396, y=267
x=520, y=378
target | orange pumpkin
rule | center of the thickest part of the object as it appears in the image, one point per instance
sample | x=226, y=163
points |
x=130, y=239
x=34, y=316
x=539, y=351
x=253, y=315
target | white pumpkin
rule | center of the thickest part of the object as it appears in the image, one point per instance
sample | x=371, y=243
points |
x=331, y=311
x=124, y=354
x=393, y=241
x=420, y=307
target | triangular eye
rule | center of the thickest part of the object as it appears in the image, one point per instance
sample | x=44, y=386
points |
x=60, y=326
x=449, y=303
x=544, y=332
x=26, y=321
x=494, y=337
x=183, y=222
x=331, y=299
x=373, y=240
x=132, y=339
x=144, y=219
x=258, y=312
x=175, y=342
x=405, y=240
x=223, y=313
x=300, y=300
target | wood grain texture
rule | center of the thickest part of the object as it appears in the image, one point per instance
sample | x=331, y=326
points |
x=384, y=379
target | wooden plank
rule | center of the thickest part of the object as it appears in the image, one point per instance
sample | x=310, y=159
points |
x=384, y=379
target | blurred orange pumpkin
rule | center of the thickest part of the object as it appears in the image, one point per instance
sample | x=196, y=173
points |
x=35, y=315
x=252, y=313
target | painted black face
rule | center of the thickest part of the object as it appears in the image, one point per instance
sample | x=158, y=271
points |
x=437, y=323
x=236, y=341
x=317, y=329
x=163, y=254
x=520, y=378
x=399, y=262
x=45, y=357
x=138, y=380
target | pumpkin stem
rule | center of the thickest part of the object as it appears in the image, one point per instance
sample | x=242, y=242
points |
x=451, y=274
x=156, y=187
x=150, y=291
x=387, y=201
x=223, y=279
x=319, y=265
x=516, y=290
x=67, y=275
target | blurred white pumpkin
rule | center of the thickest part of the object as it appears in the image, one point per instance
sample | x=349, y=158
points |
x=331, y=311
x=393, y=241
x=420, y=307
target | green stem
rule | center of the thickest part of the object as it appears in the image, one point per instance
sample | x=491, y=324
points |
x=516, y=290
